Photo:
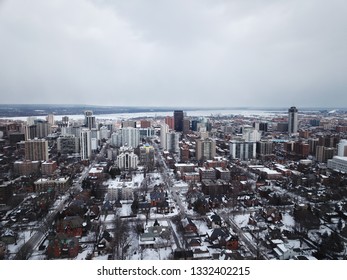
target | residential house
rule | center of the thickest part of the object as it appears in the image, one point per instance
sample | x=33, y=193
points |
x=163, y=207
x=63, y=246
x=9, y=237
x=272, y=215
x=282, y=252
x=71, y=226
x=213, y=220
x=105, y=242
x=222, y=238
x=183, y=254
x=188, y=226
x=155, y=234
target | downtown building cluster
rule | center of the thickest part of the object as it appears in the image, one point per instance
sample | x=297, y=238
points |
x=229, y=162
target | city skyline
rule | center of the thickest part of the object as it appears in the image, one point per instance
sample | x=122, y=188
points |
x=200, y=53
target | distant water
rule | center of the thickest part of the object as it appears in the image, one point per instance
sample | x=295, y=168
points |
x=191, y=113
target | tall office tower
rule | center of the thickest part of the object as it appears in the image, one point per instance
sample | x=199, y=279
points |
x=90, y=122
x=170, y=122
x=89, y=119
x=172, y=142
x=85, y=144
x=205, y=149
x=292, y=120
x=194, y=125
x=164, y=129
x=342, y=148
x=178, y=120
x=36, y=149
x=130, y=137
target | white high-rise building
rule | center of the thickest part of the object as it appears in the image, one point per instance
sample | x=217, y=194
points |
x=250, y=134
x=85, y=144
x=243, y=150
x=127, y=159
x=292, y=120
x=130, y=137
x=164, y=129
x=172, y=142
x=116, y=138
x=342, y=148
x=104, y=132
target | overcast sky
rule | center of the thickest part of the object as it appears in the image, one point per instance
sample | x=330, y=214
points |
x=174, y=53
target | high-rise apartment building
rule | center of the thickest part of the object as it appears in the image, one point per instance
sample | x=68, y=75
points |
x=85, y=144
x=186, y=126
x=68, y=144
x=127, y=160
x=50, y=119
x=170, y=122
x=292, y=120
x=243, y=150
x=130, y=137
x=89, y=120
x=205, y=149
x=164, y=129
x=342, y=148
x=172, y=142
x=36, y=149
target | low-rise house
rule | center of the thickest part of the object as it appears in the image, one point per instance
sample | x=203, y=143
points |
x=183, y=255
x=9, y=237
x=189, y=227
x=163, y=207
x=144, y=207
x=272, y=215
x=71, y=226
x=154, y=235
x=213, y=220
x=201, y=253
x=222, y=238
x=282, y=252
x=105, y=243
x=63, y=246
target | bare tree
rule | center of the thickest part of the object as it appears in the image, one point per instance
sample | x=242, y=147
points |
x=121, y=238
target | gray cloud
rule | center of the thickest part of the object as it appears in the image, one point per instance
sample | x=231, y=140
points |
x=176, y=53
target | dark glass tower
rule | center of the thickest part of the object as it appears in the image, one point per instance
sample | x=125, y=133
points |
x=178, y=120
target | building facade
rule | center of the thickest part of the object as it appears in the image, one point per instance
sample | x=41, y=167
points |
x=292, y=120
